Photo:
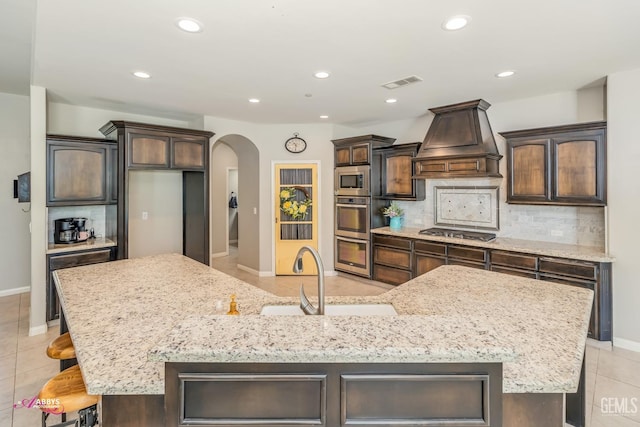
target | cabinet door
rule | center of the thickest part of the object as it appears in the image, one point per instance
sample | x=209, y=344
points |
x=148, y=151
x=528, y=164
x=390, y=275
x=360, y=154
x=579, y=168
x=425, y=263
x=188, y=153
x=76, y=173
x=343, y=156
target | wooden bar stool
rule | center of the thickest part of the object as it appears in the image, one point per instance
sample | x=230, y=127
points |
x=62, y=349
x=66, y=392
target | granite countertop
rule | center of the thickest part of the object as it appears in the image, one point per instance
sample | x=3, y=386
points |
x=127, y=317
x=97, y=243
x=561, y=250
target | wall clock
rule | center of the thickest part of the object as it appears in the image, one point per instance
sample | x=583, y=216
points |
x=295, y=144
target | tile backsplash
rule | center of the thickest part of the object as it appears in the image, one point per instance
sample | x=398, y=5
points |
x=96, y=216
x=559, y=224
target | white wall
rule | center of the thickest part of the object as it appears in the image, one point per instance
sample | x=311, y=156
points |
x=159, y=195
x=15, y=217
x=623, y=157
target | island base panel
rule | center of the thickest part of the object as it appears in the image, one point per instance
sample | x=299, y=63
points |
x=533, y=409
x=438, y=394
x=132, y=410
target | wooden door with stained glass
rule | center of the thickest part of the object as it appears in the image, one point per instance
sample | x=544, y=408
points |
x=296, y=194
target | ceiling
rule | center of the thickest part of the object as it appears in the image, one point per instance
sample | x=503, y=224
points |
x=84, y=52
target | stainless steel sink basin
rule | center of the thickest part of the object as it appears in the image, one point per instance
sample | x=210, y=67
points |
x=334, y=310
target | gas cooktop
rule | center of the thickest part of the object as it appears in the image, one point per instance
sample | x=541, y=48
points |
x=459, y=234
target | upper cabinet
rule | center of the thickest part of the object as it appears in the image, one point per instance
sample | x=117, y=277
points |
x=357, y=150
x=160, y=147
x=81, y=171
x=395, y=168
x=560, y=165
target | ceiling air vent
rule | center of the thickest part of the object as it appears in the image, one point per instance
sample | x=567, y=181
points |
x=402, y=82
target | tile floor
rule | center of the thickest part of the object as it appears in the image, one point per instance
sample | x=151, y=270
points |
x=24, y=367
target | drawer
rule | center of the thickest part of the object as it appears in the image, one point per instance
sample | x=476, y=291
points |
x=425, y=263
x=396, y=242
x=467, y=264
x=430, y=247
x=57, y=262
x=568, y=281
x=514, y=271
x=390, y=256
x=393, y=276
x=463, y=252
x=585, y=270
x=514, y=260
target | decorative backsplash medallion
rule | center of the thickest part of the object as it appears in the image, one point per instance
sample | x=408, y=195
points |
x=473, y=207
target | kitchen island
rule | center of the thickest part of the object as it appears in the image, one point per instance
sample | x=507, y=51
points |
x=130, y=317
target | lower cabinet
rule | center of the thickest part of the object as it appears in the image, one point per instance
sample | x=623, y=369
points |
x=392, y=259
x=398, y=259
x=67, y=260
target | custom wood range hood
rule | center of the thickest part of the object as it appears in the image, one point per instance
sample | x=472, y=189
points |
x=459, y=143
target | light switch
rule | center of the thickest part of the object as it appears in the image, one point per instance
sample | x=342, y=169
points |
x=145, y=215
x=255, y=211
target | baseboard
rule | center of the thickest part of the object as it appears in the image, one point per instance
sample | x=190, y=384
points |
x=233, y=241
x=626, y=344
x=219, y=254
x=603, y=345
x=15, y=291
x=253, y=271
x=330, y=273
x=38, y=330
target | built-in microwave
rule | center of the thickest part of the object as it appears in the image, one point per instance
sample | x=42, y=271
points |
x=352, y=181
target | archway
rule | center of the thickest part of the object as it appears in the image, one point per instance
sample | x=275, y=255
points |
x=235, y=151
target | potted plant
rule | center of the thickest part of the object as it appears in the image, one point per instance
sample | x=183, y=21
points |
x=395, y=214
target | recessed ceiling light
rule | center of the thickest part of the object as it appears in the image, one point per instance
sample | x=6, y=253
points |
x=456, y=22
x=189, y=25
x=507, y=73
x=254, y=100
x=324, y=117
x=321, y=75
x=142, y=74
x=391, y=101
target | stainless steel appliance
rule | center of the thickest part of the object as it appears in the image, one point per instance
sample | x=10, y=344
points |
x=352, y=217
x=352, y=180
x=353, y=256
x=458, y=234
x=70, y=230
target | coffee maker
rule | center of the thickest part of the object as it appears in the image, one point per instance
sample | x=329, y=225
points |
x=70, y=230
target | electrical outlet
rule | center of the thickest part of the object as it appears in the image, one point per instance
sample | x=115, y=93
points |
x=255, y=211
x=145, y=215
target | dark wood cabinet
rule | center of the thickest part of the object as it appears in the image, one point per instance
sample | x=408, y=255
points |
x=152, y=147
x=67, y=260
x=395, y=168
x=562, y=165
x=80, y=171
x=392, y=259
x=357, y=150
x=428, y=256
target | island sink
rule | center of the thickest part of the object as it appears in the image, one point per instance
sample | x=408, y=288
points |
x=333, y=310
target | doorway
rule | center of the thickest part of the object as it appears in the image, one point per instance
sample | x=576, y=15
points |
x=232, y=218
x=296, y=225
